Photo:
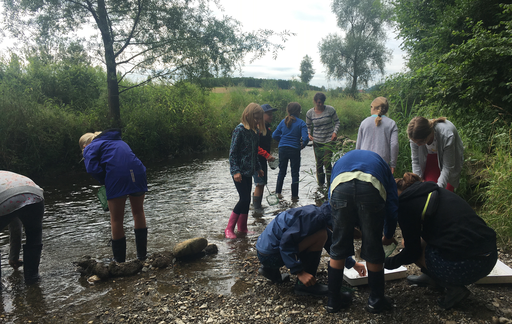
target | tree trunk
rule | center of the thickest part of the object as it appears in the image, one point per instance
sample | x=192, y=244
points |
x=354, y=85
x=110, y=61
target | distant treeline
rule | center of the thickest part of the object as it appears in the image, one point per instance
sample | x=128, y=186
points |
x=255, y=83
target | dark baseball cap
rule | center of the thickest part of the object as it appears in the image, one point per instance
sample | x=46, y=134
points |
x=267, y=108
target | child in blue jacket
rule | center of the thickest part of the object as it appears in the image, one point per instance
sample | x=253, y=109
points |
x=289, y=134
x=111, y=161
x=362, y=193
x=295, y=238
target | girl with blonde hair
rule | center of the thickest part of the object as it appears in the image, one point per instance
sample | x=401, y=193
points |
x=379, y=134
x=292, y=135
x=437, y=151
x=243, y=163
x=111, y=161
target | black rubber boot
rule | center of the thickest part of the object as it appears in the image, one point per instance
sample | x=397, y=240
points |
x=295, y=190
x=273, y=274
x=119, y=249
x=454, y=295
x=31, y=259
x=320, y=177
x=279, y=186
x=141, y=242
x=310, y=262
x=377, y=302
x=337, y=299
x=422, y=280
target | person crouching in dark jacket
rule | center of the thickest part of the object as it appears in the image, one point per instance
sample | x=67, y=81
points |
x=444, y=237
x=295, y=238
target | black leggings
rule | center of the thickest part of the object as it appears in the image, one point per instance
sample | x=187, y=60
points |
x=244, y=192
x=31, y=217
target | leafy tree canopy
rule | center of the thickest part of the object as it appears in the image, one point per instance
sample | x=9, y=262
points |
x=306, y=69
x=460, y=55
x=172, y=39
x=360, y=54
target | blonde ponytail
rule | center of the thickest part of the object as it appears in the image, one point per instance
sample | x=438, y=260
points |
x=380, y=104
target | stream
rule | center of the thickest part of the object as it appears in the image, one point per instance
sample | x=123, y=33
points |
x=191, y=196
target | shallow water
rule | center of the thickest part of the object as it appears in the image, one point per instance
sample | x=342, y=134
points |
x=188, y=197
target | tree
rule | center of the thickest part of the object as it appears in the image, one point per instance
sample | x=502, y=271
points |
x=360, y=54
x=174, y=39
x=306, y=69
x=460, y=55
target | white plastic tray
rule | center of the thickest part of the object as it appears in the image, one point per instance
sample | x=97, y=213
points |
x=354, y=279
x=500, y=274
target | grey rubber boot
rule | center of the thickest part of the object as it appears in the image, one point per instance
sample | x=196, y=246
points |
x=256, y=202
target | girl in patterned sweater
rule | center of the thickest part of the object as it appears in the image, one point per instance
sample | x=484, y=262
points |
x=243, y=162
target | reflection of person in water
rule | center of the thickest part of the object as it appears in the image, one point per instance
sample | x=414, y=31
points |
x=21, y=198
x=444, y=237
x=295, y=238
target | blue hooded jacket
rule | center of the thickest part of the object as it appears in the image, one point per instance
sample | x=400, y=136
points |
x=111, y=161
x=371, y=163
x=289, y=228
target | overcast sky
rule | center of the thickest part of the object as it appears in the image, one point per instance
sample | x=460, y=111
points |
x=309, y=20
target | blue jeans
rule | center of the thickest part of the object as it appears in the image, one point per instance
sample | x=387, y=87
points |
x=291, y=154
x=357, y=203
x=261, y=181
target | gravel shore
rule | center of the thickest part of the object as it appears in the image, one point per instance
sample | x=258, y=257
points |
x=164, y=296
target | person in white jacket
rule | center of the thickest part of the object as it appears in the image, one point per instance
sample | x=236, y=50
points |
x=437, y=151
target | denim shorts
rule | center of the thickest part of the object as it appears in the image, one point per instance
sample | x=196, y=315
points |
x=273, y=260
x=357, y=203
x=462, y=272
x=261, y=181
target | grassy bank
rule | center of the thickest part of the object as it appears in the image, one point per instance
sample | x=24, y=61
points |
x=40, y=126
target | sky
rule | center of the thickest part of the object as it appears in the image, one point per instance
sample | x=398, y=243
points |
x=311, y=21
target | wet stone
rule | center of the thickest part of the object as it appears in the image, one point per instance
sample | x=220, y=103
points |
x=190, y=247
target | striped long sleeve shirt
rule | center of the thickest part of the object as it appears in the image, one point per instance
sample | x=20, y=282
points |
x=321, y=126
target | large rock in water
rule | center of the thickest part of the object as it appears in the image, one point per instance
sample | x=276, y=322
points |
x=190, y=247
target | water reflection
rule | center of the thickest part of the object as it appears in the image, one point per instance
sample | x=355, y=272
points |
x=189, y=197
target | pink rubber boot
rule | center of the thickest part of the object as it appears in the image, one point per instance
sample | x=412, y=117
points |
x=242, y=224
x=229, y=232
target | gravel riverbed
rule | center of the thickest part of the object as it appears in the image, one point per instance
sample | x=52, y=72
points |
x=165, y=296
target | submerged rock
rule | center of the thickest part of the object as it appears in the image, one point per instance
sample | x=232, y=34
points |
x=190, y=247
x=211, y=249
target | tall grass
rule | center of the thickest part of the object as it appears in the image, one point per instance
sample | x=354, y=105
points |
x=497, y=207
